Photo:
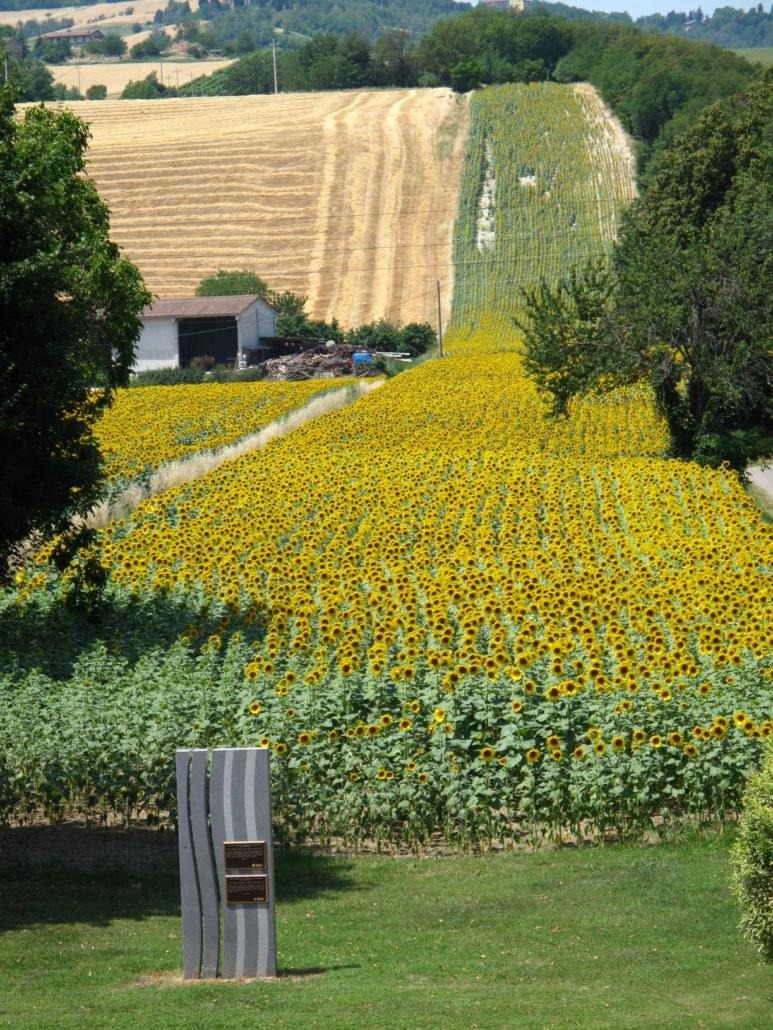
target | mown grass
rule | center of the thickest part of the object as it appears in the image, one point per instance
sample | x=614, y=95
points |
x=757, y=55
x=614, y=937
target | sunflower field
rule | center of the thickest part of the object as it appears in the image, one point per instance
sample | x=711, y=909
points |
x=443, y=612
x=150, y=426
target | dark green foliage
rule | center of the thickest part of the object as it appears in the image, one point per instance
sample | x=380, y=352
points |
x=29, y=77
x=727, y=26
x=110, y=46
x=69, y=317
x=167, y=376
x=415, y=338
x=690, y=303
x=96, y=92
x=148, y=88
x=752, y=858
x=567, y=347
x=62, y=92
x=231, y=283
x=156, y=43
x=54, y=51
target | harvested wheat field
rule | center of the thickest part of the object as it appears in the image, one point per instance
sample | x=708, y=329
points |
x=116, y=74
x=91, y=14
x=348, y=198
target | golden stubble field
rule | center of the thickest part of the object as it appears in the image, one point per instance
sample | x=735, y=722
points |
x=348, y=197
x=116, y=74
x=97, y=15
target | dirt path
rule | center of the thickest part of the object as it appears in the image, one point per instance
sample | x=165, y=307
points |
x=762, y=477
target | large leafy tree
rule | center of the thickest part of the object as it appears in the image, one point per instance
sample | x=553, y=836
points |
x=687, y=302
x=232, y=282
x=69, y=318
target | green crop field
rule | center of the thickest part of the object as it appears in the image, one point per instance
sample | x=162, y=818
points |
x=757, y=55
x=546, y=174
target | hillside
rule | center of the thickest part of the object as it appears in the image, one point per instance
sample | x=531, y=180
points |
x=348, y=198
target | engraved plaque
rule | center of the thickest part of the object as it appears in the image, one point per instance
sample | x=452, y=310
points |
x=245, y=854
x=246, y=890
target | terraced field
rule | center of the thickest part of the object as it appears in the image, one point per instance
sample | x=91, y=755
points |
x=348, y=198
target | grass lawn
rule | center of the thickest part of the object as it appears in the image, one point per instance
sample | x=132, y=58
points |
x=757, y=55
x=616, y=937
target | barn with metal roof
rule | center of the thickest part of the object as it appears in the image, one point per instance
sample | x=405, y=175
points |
x=174, y=332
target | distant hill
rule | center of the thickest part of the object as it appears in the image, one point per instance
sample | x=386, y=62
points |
x=307, y=17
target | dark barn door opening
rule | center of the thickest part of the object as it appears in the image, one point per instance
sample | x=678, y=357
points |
x=215, y=337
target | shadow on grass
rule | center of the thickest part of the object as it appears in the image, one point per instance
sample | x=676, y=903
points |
x=94, y=876
x=47, y=634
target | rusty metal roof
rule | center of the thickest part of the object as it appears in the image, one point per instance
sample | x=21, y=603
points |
x=200, y=307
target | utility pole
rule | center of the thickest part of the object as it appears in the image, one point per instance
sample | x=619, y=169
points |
x=273, y=54
x=439, y=323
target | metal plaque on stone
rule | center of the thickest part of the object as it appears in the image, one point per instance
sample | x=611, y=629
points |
x=244, y=854
x=224, y=820
x=246, y=890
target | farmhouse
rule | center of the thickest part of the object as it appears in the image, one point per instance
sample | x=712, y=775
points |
x=176, y=331
x=76, y=36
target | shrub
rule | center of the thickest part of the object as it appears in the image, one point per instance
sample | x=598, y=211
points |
x=96, y=92
x=167, y=376
x=752, y=859
x=205, y=361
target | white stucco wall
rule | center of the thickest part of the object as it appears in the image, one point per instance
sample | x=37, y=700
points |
x=266, y=319
x=157, y=346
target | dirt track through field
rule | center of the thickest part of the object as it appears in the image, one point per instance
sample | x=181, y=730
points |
x=348, y=198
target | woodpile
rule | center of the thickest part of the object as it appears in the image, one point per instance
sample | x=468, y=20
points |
x=320, y=363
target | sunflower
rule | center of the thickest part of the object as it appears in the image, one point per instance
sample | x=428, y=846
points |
x=404, y=725
x=516, y=705
x=487, y=754
x=618, y=742
x=552, y=742
x=386, y=719
x=304, y=738
x=264, y=742
x=532, y=755
x=280, y=747
x=656, y=740
x=690, y=750
x=414, y=706
x=579, y=753
x=254, y=708
x=422, y=777
x=439, y=715
x=675, y=739
x=599, y=747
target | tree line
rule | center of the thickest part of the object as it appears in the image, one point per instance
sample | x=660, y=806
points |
x=656, y=84
x=685, y=301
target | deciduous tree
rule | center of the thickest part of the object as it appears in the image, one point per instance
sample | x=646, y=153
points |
x=69, y=318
